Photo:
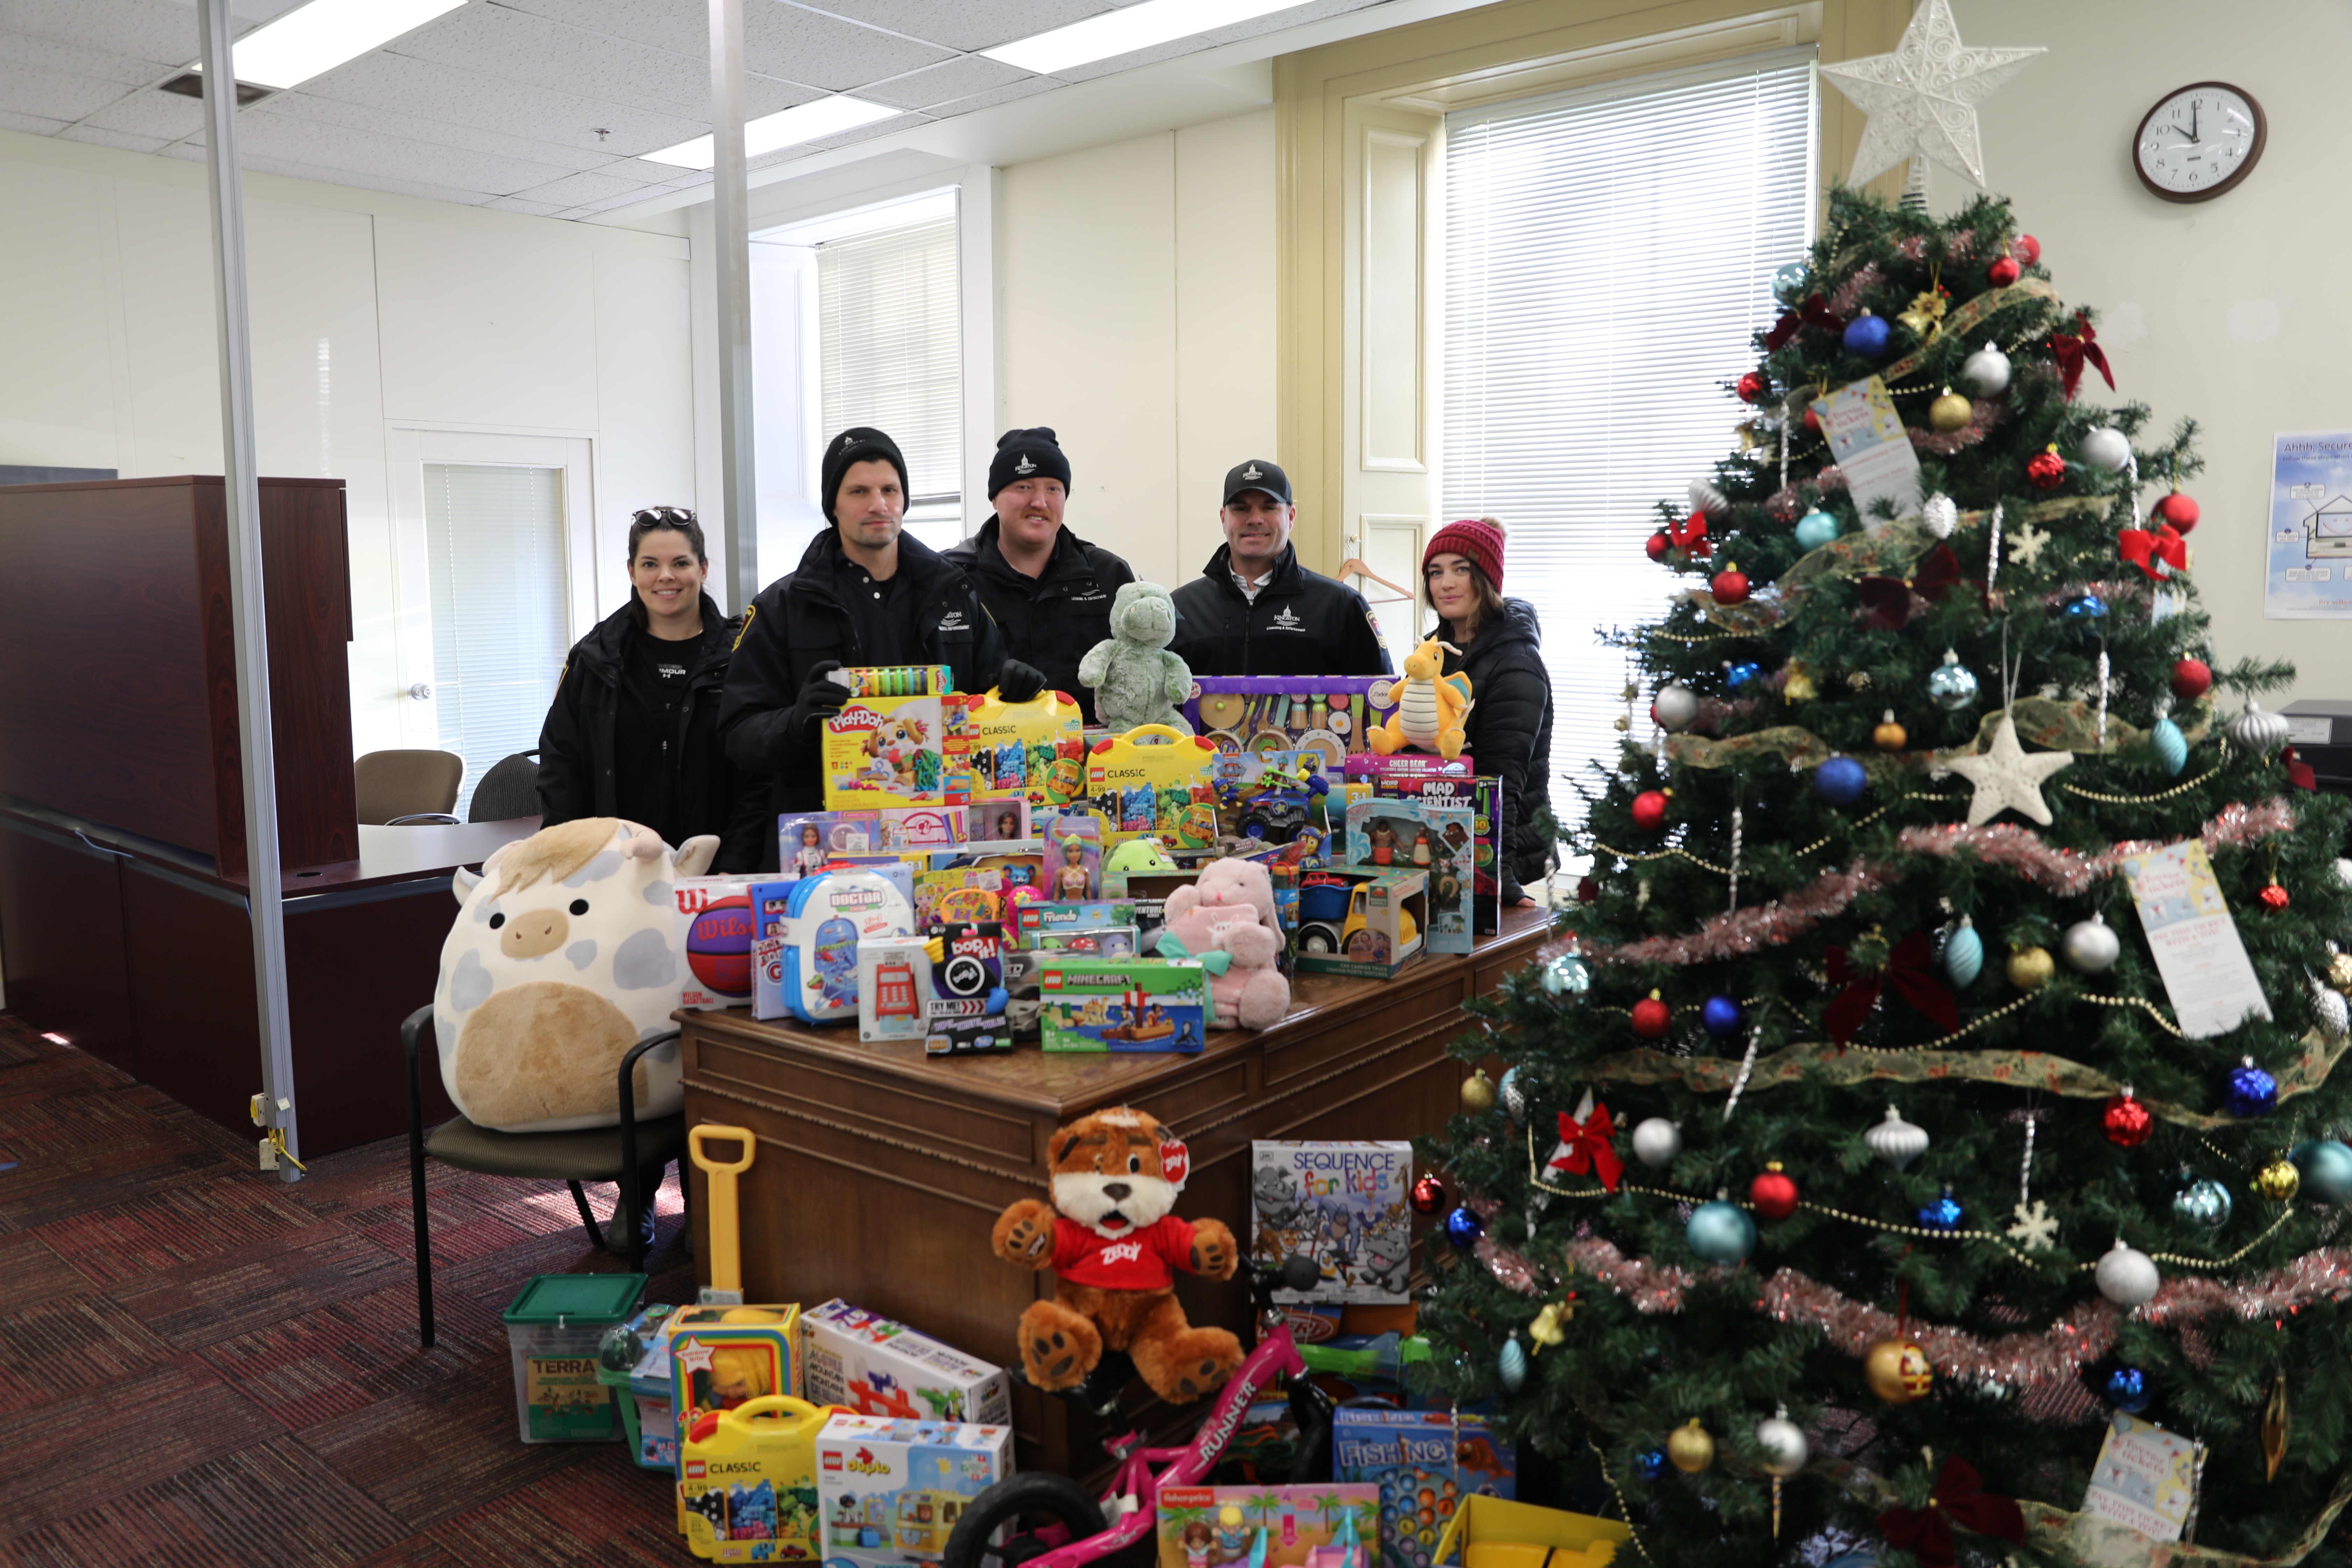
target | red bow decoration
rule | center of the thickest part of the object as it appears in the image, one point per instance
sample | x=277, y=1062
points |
x=2160, y=554
x=1814, y=313
x=1689, y=536
x=1585, y=1148
x=1960, y=1499
x=1906, y=966
x=2298, y=772
x=1889, y=601
x=2073, y=348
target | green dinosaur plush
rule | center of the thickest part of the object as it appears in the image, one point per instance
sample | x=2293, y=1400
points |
x=1136, y=680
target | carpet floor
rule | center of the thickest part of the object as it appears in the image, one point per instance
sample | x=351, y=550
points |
x=200, y=1365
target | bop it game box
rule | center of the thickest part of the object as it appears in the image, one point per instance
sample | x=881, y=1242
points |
x=804, y=956
x=892, y=1490
x=1342, y=1203
x=868, y=1363
x=1425, y=1463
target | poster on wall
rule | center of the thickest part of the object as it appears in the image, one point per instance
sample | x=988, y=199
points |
x=2308, y=576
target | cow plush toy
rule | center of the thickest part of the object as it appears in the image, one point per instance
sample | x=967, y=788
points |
x=568, y=950
x=1113, y=1244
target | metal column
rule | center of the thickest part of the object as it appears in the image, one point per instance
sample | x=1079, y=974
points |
x=242, y=496
x=739, y=482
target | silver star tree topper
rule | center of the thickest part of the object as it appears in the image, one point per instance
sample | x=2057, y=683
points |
x=1922, y=99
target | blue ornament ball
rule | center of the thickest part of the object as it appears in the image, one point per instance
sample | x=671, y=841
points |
x=2202, y=1202
x=1512, y=1366
x=2252, y=1091
x=1816, y=529
x=2128, y=1390
x=1567, y=975
x=1739, y=675
x=1952, y=687
x=1464, y=1227
x=1721, y=1016
x=1788, y=282
x=2171, y=747
x=1866, y=335
x=1721, y=1232
x=1944, y=1213
x=2087, y=615
x=1649, y=1467
x=2326, y=1167
x=1840, y=781
x=1963, y=955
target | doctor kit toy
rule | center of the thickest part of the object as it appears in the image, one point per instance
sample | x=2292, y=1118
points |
x=870, y=1364
x=808, y=966
x=891, y=1490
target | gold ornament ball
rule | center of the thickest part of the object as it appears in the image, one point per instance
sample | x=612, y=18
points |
x=2279, y=1181
x=2029, y=968
x=1478, y=1092
x=1690, y=1449
x=1799, y=687
x=1951, y=412
x=1890, y=736
x=2339, y=972
x=1898, y=1371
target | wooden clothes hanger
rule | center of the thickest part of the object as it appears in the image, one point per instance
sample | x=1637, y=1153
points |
x=1353, y=567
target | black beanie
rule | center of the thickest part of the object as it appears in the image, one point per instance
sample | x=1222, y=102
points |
x=858, y=444
x=1027, y=455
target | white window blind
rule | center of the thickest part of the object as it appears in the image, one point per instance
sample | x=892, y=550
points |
x=494, y=553
x=1609, y=254
x=889, y=335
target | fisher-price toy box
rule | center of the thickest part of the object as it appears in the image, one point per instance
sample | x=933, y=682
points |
x=1431, y=834
x=1326, y=714
x=722, y=1356
x=1135, y=1005
x=1305, y=1526
x=804, y=954
x=891, y=1490
x=1035, y=749
x=903, y=738
x=1425, y=1464
x=870, y=1364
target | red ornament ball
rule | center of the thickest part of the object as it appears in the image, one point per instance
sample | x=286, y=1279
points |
x=2026, y=248
x=2127, y=1123
x=1773, y=1194
x=2179, y=510
x=1651, y=1017
x=1751, y=387
x=2004, y=272
x=2272, y=897
x=1650, y=810
x=1428, y=1193
x=1731, y=587
x=2192, y=678
x=1812, y=420
x=2046, y=470
x=1656, y=546
x=1587, y=891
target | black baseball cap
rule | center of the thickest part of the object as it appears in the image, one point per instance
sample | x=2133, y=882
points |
x=1257, y=474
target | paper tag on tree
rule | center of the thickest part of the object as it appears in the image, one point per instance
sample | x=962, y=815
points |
x=2205, y=968
x=2146, y=1478
x=1871, y=449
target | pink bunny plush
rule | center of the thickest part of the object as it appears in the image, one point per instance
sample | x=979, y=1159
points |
x=1226, y=919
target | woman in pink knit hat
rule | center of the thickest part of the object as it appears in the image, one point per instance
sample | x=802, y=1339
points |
x=1509, y=727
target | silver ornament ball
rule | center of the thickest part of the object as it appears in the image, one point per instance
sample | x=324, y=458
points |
x=2335, y=1015
x=2105, y=448
x=1951, y=685
x=1657, y=1143
x=1676, y=707
x=1515, y=1096
x=1941, y=514
x=2128, y=1276
x=2204, y=1202
x=1784, y=1446
x=1986, y=371
x=2091, y=945
x=1896, y=1141
x=2258, y=731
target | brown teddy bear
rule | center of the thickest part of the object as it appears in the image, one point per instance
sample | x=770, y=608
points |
x=1111, y=1241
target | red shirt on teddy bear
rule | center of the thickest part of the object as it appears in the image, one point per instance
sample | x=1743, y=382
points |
x=1143, y=1260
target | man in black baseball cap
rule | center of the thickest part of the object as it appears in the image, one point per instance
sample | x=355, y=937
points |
x=1255, y=610
x=864, y=593
x=1049, y=590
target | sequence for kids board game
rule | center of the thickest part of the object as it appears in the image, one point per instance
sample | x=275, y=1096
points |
x=1342, y=1204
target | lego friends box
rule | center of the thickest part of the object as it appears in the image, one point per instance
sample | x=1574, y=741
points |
x=1305, y=1526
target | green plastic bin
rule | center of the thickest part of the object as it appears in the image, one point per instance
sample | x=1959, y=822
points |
x=551, y=1333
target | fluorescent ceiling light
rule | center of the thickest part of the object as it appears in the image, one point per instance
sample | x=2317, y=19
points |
x=1124, y=31
x=785, y=128
x=323, y=35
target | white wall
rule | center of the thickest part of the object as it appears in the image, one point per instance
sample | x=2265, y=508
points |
x=369, y=311
x=1135, y=317
x=2188, y=293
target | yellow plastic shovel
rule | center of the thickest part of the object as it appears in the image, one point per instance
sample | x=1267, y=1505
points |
x=726, y=1286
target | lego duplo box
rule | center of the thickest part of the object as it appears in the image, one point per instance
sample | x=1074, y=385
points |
x=1426, y=1464
x=899, y=751
x=891, y=1490
x=1428, y=834
x=868, y=1363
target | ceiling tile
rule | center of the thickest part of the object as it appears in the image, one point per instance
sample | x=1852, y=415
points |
x=517, y=205
x=103, y=64
x=154, y=114
x=680, y=27
x=587, y=153
x=32, y=124
x=156, y=31
x=308, y=141
x=796, y=45
x=98, y=138
x=971, y=24
x=941, y=83
x=519, y=47
x=1027, y=87
x=295, y=169
x=457, y=96
x=55, y=94
x=1292, y=18
x=577, y=190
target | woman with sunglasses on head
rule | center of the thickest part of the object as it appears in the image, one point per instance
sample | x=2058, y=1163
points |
x=1509, y=730
x=634, y=732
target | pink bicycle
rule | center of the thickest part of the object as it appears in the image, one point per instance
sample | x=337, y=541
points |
x=1040, y=1520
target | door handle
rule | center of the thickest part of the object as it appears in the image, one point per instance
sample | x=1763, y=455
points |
x=421, y=691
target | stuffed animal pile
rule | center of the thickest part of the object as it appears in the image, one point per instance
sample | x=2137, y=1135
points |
x=1136, y=680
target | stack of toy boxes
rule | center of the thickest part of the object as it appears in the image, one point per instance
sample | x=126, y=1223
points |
x=1426, y=1463
x=876, y=1367
x=806, y=937
x=902, y=739
x=890, y=1490
x=1416, y=776
x=1427, y=835
x=746, y=1488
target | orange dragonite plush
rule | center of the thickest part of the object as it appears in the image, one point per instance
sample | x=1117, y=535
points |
x=1111, y=1241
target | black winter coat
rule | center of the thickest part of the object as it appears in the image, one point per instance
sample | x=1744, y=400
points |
x=1302, y=623
x=575, y=743
x=1052, y=620
x=1509, y=734
x=797, y=622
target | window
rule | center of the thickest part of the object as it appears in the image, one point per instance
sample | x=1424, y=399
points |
x=1608, y=256
x=494, y=553
x=888, y=338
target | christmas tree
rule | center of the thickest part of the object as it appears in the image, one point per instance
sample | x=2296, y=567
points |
x=1856, y=1163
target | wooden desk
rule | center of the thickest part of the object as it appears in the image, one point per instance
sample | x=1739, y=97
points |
x=879, y=1170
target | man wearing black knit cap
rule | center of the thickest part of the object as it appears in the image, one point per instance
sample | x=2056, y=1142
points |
x=1049, y=590
x=864, y=593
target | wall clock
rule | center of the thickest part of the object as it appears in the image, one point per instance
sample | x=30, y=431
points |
x=2199, y=141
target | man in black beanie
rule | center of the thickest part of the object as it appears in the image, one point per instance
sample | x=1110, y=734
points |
x=1049, y=590
x=862, y=594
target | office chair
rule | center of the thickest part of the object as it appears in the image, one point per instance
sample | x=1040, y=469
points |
x=510, y=789
x=621, y=1154
x=397, y=789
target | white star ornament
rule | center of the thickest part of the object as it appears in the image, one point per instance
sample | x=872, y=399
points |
x=1922, y=99
x=2007, y=777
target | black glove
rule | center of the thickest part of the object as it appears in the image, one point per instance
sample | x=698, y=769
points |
x=1017, y=683
x=821, y=698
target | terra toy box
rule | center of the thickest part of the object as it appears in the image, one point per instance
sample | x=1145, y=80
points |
x=552, y=1330
x=1426, y=1464
x=1138, y=1004
x=747, y=1482
x=892, y=1489
x=807, y=960
x=1431, y=834
x=903, y=748
x=858, y=1359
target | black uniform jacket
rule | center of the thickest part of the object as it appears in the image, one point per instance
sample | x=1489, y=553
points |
x=1509, y=733
x=1052, y=620
x=1302, y=623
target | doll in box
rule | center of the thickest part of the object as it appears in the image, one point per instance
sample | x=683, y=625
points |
x=1073, y=882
